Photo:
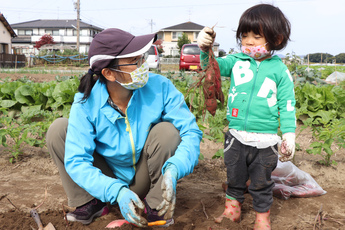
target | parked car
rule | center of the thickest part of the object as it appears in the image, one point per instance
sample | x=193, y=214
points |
x=153, y=58
x=190, y=57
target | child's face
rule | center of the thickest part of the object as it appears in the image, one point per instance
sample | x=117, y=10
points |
x=251, y=39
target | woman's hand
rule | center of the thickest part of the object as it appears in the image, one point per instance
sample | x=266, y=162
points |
x=167, y=206
x=129, y=202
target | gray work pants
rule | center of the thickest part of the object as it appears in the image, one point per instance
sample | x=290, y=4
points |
x=160, y=145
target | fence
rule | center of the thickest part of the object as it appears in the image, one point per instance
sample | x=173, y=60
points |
x=169, y=60
x=58, y=59
x=12, y=60
x=82, y=58
x=54, y=58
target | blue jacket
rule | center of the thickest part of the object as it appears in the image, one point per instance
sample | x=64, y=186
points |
x=95, y=126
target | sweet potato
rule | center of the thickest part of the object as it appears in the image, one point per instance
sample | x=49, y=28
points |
x=218, y=82
x=211, y=83
x=211, y=105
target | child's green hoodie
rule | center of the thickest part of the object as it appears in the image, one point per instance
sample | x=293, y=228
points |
x=259, y=94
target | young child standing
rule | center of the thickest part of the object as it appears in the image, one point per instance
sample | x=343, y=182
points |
x=261, y=95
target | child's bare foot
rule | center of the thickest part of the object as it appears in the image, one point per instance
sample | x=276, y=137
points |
x=262, y=221
x=232, y=211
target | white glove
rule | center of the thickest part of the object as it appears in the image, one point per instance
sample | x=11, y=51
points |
x=288, y=147
x=168, y=186
x=206, y=38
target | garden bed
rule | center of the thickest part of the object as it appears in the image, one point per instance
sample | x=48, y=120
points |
x=200, y=196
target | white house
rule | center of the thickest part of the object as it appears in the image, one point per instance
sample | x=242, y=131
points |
x=170, y=35
x=63, y=31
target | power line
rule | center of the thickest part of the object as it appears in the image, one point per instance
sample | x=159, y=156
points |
x=147, y=7
x=32, y=10
x=186, y=6
x=92, y=21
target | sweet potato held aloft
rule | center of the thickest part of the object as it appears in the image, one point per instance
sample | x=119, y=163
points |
x=211, y=84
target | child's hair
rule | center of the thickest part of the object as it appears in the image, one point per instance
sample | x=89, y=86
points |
x=268, y=21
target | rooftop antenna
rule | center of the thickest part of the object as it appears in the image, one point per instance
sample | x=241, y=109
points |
x=189, y=14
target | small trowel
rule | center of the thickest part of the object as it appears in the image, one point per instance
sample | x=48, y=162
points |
x=34, y=214
x=120, y=222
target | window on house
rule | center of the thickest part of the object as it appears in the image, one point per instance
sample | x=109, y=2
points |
x=75, y=32
x=160, y=36
x=176, y=35
x=28, y=32
x=21, y=32
x=196, y=34
x=2, y=48
x=53, y=32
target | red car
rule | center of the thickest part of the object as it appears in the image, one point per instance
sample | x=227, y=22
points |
x=190, y=57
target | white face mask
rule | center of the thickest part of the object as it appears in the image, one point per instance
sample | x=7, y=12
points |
x=140, y=76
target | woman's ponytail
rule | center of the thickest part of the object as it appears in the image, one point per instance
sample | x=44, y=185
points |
x=86, y=84
x=89, y=80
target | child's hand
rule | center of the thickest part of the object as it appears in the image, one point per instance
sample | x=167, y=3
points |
x=288, y=147
x=206, y=38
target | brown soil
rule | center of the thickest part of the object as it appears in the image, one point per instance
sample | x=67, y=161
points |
x=200, y=196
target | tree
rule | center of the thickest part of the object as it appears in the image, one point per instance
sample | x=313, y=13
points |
x=158, y=43
x=45, y=39
x=340, y=58
x=222, y=53
x=319, y=57
x=182, y=40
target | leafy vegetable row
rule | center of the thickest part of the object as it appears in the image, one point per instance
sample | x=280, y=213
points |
x=28, y=108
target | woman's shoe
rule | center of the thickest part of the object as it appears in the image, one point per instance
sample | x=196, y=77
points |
x=154, y=219
x=87, y=212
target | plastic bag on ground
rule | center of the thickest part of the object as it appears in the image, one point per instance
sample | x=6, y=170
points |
x=290, y=181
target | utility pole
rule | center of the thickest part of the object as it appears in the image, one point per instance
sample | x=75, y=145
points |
x=152, y=23
x=321, y=58
x=308, y=63
x=77, y=7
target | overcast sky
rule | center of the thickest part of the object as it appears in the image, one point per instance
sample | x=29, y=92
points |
x=317, y=25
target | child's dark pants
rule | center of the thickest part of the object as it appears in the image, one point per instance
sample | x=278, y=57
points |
x=244, y=162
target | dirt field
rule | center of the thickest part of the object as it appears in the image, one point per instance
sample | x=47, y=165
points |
x=200, y=196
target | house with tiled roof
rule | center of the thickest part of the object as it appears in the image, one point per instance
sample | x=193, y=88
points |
x=63, y=31
x=7, y=33
x=170, y=35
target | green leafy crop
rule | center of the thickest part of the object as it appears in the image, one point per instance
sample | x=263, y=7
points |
x=333, y=133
